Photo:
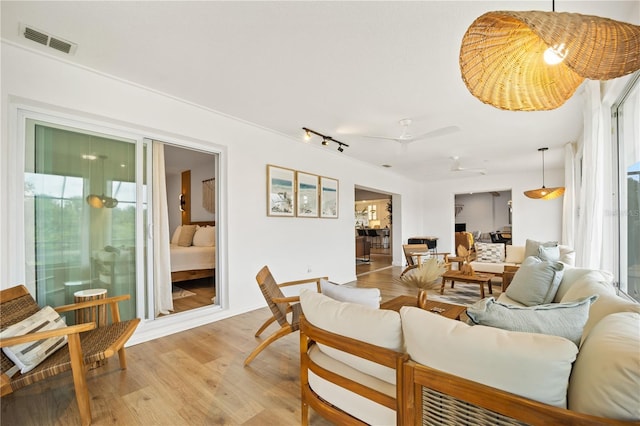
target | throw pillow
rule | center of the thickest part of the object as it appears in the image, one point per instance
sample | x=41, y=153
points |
x=176, y=235
x=26, y=356
x=205, y=236
x=558, y=319
x=551, y=253
x=536, y=282
x=605, y=380
x=531, y=365
x=362, y=296
x=490, y=252
x=531, y=247
x=567, y=255
x=186, y=235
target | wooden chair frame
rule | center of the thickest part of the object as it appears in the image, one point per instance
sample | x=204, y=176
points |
x=311, y=335
x=81, y=349
x=280, y=306
x=457, y=396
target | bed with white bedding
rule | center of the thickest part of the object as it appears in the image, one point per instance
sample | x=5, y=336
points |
x=193, y=252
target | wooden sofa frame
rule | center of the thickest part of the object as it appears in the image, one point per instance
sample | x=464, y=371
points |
x=426, y=395
x=87, y=344
x=310, y=335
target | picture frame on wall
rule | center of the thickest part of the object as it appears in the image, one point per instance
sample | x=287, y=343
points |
x=329, y=195
x=307, y=195
x=280, y=191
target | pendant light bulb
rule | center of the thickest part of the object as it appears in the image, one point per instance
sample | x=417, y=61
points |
x=555, y=54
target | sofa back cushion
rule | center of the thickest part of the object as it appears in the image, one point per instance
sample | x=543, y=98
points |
x=536, y=281
x=515, y=254
x=605, y=380
x=375, y=326
x=535, y=366
x=572, y=276
x=608, y=302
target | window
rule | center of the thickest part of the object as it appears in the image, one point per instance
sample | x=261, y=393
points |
x=627, y=117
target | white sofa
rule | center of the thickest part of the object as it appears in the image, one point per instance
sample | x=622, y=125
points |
x=500, y=255
x=601, y=378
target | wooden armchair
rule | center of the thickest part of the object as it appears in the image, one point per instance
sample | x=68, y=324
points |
x=280, y=306
x=86, y=344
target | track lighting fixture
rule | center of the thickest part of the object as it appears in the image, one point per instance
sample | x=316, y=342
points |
x=325, y=139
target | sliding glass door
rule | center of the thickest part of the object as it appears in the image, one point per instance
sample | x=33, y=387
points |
x=627, y=112
x=81, y=213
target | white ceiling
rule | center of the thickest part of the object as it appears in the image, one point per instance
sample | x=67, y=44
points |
x=341, y=68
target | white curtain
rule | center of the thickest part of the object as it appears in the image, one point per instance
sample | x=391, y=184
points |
x=569, y=214
x=162, y=260
x=589, y=232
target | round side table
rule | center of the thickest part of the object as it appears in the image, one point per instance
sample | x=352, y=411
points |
x=97, y=314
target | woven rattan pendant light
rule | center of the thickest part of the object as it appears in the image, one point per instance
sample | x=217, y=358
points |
x=501, y=57
x=544, y=193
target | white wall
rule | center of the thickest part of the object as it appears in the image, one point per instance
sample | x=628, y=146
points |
x=291, y=247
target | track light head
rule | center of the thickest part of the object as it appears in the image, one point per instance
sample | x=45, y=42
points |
x=307, y=134
x=340, y=148
x=325, y=141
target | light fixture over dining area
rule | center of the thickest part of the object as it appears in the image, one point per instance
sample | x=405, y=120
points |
x=544, y=193
x=535, y=60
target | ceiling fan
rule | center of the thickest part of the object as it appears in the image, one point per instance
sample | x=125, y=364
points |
x=406, y=136
x=456, y=167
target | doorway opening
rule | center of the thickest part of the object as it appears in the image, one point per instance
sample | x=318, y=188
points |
x=373, y=230
x=486, y=215
x=191, y=187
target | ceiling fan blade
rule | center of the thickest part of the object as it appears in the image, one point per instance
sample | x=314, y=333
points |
x=381, y=137
x=437, y=132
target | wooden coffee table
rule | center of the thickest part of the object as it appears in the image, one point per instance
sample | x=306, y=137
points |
x=476, y=278
x=447, y=310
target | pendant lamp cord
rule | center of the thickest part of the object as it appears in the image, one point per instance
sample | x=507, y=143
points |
x=553, y=5
x=543, y=169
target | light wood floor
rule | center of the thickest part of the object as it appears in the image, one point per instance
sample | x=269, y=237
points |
x=204, y=290
x=195, y=377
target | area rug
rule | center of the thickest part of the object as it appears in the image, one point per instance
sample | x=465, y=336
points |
x=180, y=293
x=464, y=293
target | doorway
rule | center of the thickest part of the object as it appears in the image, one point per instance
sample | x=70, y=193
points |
x=190, y=188
x=483, y=214
x=373, y=230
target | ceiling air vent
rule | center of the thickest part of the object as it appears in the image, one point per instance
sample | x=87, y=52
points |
x=42, y=37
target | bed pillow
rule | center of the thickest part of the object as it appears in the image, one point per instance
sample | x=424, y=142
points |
x=558, y=319
x=532, y=365
x=532, y=247
x=536, y=282
x=176, y=235
x=26, y=356
x=205, y=236
x=186, y=235
x=490, y=252
x=362, y=296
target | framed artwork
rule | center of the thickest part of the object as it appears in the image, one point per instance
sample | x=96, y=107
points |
x=307, y=195
x=280, y=191
x=328, y=197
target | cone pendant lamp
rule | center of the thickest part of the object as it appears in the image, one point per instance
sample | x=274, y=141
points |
x=544, y=193
x=535, y=60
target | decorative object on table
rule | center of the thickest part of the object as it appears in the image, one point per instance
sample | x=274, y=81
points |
x=328, y=197
x=544, y=192
x=424, y=277
x=465, y=254
x=506, y=56
x=306, y=195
